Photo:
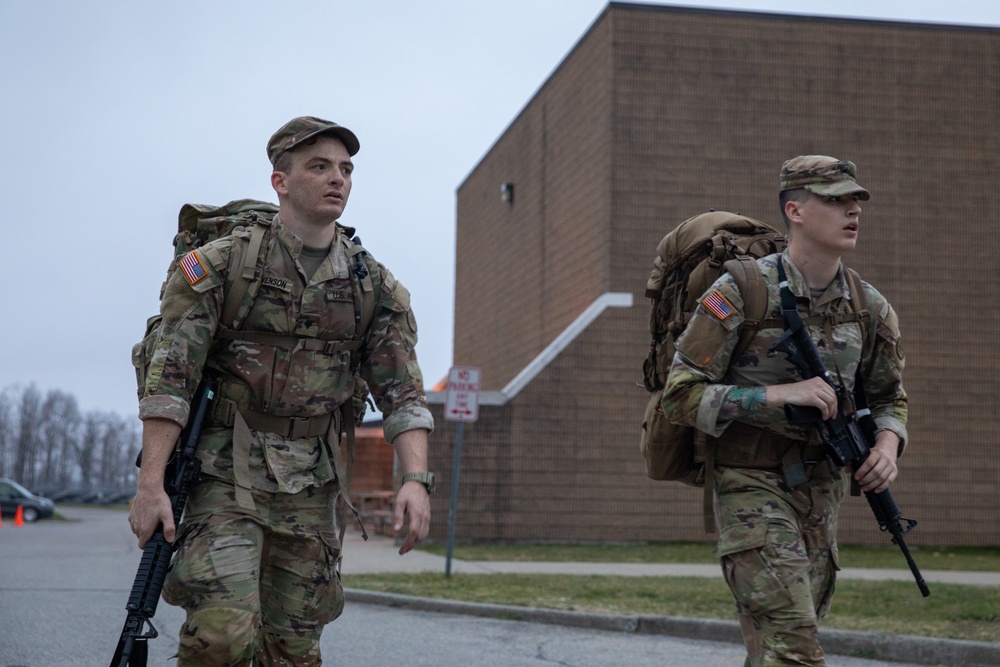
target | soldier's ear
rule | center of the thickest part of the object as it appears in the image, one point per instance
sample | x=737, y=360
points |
x=793, y=211
x=278, y=182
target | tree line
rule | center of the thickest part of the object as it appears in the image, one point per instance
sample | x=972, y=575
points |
x=48, y=445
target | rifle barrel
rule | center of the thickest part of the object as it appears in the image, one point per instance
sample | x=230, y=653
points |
x=890, y=519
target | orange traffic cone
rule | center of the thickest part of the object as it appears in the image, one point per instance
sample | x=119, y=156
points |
x=19, y=516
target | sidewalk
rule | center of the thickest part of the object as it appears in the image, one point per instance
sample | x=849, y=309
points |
x=380, y=554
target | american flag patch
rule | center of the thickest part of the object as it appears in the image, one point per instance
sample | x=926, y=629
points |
x=717, y=304
x=192, y=267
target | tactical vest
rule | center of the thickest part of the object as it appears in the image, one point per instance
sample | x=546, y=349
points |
x=248, y=224
x=243, y=282
x=745, y=446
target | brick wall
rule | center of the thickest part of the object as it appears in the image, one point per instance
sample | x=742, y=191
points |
x=657, y=114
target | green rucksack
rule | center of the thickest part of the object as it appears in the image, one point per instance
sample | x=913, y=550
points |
x=688, y=260
x=197, y=224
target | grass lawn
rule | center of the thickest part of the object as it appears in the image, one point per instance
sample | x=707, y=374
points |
x=894, y=607
x=980, y=559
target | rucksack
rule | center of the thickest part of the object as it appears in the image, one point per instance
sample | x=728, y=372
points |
x=248, y=219
x=198, y=224
x=688, y=260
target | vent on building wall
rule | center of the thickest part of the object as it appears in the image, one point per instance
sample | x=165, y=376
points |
x=507, y=193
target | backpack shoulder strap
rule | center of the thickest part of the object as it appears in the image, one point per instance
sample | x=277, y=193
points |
x=368, y=282
x=858, y=303
x=243, y=273
x=752, y=288
x=367, y=287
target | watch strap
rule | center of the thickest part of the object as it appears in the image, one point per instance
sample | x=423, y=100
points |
x=425, y=478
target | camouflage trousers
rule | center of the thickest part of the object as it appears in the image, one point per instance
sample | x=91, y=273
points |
x=257, y=585
x=778, y=548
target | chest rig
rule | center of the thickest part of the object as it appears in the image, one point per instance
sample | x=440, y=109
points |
x=745, y=446
x=244, y=278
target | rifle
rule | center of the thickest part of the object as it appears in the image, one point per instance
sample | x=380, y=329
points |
x=181, y=474
x=848, y=437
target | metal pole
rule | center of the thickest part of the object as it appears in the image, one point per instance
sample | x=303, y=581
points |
x=455, y=469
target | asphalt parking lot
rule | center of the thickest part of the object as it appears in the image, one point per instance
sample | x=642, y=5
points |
x=64, y=584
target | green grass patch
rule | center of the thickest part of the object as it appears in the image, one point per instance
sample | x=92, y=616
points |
x=984, y=559
x=952, y=611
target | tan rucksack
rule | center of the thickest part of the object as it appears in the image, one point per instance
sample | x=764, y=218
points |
x=197, y=224
x=688, y=260
x=249, y=220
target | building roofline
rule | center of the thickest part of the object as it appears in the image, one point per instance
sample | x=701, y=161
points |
x=797, y=17
x=541, y=87
x=732, y=13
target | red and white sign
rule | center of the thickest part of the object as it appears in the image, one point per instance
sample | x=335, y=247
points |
x=461, y=403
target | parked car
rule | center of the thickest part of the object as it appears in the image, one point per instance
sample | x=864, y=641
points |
x=13, y=495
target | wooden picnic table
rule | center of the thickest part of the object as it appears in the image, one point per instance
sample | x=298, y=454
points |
x=377, y=508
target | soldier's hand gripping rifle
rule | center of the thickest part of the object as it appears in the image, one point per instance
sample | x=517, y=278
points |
x=848, y=436
x=180, y=476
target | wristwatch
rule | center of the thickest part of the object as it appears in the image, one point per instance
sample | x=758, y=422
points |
x=425, y=478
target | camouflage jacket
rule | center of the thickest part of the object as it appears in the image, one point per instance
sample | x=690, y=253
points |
x=703, y=372
x=276, y=380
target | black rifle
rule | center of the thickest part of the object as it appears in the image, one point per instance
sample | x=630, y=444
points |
x=848, y=437
x=181, y=474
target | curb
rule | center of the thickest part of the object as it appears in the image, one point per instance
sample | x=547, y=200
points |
x=871, y=645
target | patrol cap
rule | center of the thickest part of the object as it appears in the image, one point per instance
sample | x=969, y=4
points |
x=297, y=130
x=823, y=175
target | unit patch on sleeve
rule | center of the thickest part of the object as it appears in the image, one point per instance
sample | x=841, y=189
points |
x=192, y=267
x=718, y=305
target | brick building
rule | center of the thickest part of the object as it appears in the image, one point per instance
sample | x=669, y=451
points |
x=659, y=113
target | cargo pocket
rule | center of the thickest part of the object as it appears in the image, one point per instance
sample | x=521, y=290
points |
x=824, y=594
x=747, y=567
x=217, y=562
x=142, y=353
x=328, y=597
x=175, y=590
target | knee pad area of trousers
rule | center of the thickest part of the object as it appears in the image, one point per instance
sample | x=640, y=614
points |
x=218, y=637
x=282, y=650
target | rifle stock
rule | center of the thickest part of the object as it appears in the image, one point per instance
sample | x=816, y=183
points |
x=181, y=475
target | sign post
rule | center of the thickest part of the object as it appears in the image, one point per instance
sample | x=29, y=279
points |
x=461, y=405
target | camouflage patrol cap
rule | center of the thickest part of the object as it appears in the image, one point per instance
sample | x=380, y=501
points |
x=297, y=130
x=822, y=175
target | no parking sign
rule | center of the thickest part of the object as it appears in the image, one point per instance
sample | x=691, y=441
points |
x=461, y=403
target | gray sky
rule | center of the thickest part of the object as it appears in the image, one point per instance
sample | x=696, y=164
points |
x=115, y=113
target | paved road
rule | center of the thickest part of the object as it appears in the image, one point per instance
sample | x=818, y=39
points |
x=63, y=586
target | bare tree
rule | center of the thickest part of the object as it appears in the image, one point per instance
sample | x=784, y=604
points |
x=28, y=436
x=6, y=431
x=86, y=450
x=113, y=449
x=60, y=429
x=47, y=444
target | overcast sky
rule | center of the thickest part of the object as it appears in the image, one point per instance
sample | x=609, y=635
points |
x=117, y=113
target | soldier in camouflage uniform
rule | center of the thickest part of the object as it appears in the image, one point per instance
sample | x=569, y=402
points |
x=257, y=556
x=777, y=533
